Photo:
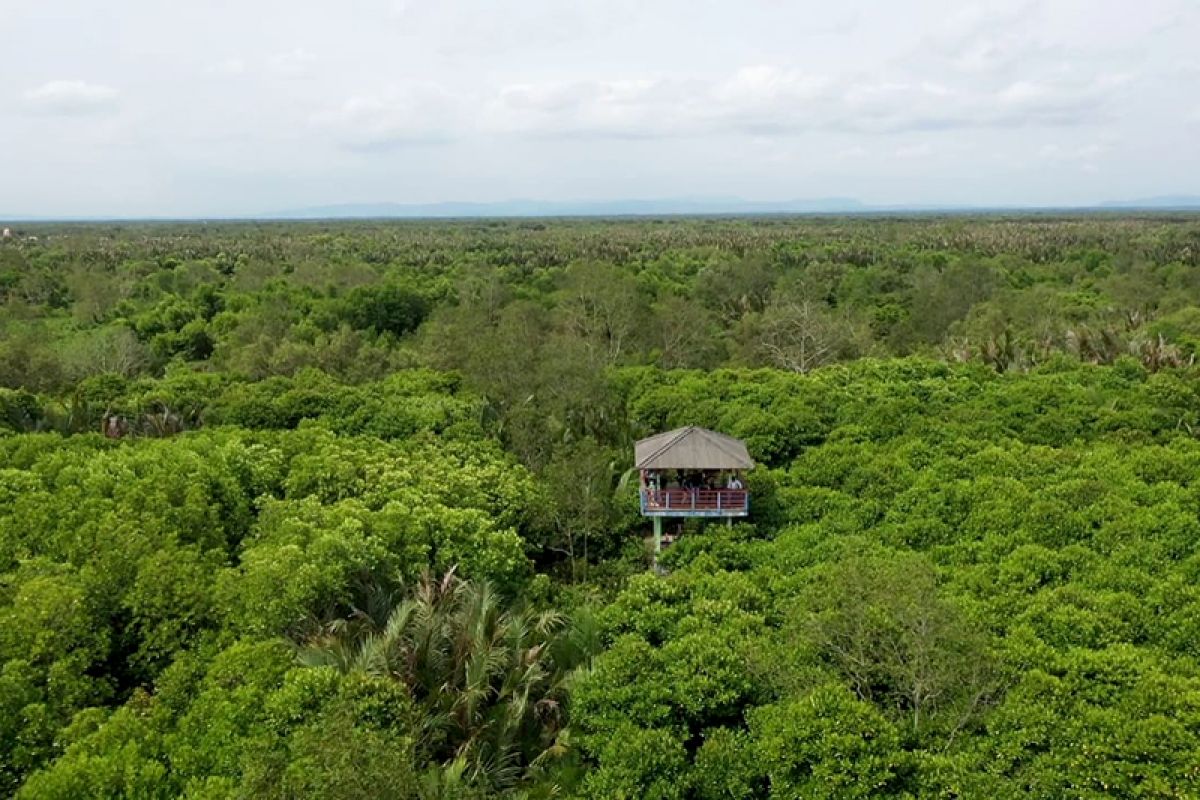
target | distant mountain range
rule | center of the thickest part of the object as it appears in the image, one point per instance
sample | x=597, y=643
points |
x=687, y=207
x=1166, y=202
x=585, y=208
x=635, y=208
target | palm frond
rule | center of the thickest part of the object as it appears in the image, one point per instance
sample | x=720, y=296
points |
x=487, y=678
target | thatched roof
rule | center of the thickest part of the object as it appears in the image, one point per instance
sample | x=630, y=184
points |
x=691, y=448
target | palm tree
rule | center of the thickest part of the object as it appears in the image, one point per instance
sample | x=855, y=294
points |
x=488, y=679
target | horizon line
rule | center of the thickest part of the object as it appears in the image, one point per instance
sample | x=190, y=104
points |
x=573, y=209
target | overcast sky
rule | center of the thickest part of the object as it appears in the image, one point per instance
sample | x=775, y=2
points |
x=159, y=107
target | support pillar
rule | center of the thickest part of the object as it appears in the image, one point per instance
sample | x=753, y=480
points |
x=657, y=538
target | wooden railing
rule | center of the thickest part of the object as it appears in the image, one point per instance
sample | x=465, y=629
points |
x=732, y=501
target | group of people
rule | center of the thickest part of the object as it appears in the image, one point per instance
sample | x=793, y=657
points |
x=693, y=480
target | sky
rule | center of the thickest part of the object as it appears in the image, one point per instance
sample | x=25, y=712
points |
x=176, y=108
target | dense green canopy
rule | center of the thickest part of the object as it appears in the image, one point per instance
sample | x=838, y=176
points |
x=365, y=526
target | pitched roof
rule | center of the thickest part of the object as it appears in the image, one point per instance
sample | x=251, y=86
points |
x=691, y=448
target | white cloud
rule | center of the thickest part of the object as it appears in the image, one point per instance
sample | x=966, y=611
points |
x=767, y=85
x=1085, y=157
x=419, y=114
x=297, y=63
x=1087, y=152
x=617, y=108
x=1024, y=93
x=71, y=98
x=1049, y=99
x=230, y=66
x=765, y=100
x=978, y=41
x=911, y=151
x=1187, y=68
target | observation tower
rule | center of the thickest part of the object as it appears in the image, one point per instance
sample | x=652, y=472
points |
x=692, y=472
